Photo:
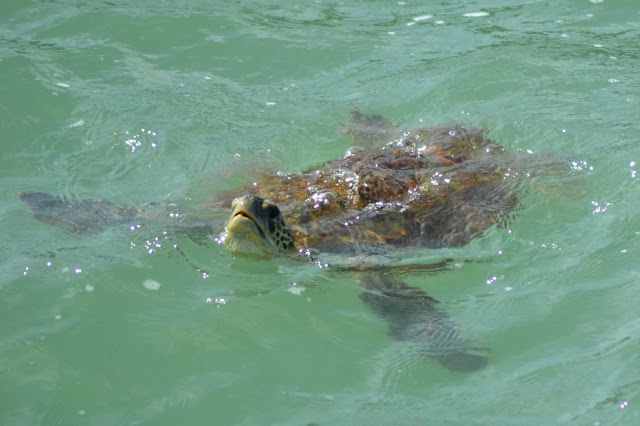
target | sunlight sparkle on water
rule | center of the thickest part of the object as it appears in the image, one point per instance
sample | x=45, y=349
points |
x=476, y=14
x=296, y=290
x=217, y=301
x=600, y=208
x=151, y=285
x=422, y=18
x=581, y=165
x=134, y=143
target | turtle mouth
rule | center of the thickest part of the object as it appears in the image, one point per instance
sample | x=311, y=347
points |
x=242, y=217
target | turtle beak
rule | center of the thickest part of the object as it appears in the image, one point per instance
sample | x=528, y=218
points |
x=242, y=222
x=244, y=231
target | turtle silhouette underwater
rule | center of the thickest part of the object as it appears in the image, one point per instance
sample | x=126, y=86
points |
x=396, y=190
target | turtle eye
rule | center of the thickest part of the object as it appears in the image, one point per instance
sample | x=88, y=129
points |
x=234, y=203
x=272, y=210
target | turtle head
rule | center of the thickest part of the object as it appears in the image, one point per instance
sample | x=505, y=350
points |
x=256, y=227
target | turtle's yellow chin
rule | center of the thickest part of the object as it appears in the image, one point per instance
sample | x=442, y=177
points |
x=244, y=236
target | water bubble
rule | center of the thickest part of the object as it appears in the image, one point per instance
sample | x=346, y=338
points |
x=353, y=150
x=492, y=280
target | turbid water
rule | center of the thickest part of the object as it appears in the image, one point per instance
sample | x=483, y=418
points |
x=157, y=101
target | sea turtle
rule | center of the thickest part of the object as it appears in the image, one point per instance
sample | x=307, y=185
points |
x=431, y=187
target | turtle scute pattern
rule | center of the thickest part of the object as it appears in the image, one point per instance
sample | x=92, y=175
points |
x=430, y=187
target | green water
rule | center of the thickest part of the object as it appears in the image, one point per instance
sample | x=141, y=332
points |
x=158, y=100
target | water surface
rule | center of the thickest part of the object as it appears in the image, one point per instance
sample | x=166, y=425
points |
x=157, y=101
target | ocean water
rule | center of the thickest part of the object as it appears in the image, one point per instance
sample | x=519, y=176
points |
x=179, y=100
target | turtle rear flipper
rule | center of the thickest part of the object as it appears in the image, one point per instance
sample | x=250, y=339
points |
x=413, y=317
x=82, y=217
x=369, y=130
x=463, y=361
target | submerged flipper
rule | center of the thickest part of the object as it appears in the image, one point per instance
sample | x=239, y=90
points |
x=412, y=316
x=78, y=216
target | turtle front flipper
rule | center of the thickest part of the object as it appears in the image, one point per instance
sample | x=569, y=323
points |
x=82, y=217
x=413, y=317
